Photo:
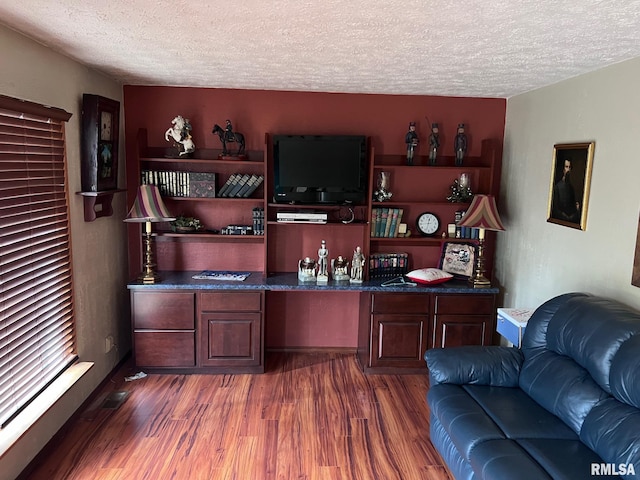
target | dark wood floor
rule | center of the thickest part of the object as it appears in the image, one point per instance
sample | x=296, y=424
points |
x=311, y=416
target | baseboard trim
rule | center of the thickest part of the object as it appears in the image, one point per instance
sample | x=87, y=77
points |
x=343, y=350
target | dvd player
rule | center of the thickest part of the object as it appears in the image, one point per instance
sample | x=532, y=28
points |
x=301, y=217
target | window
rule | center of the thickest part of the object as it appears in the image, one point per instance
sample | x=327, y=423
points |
x=37, y=338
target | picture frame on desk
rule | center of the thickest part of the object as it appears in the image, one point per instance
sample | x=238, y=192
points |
x=570, y=182
x=458, y=259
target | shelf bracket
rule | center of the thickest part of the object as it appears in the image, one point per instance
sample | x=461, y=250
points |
x=98, y=204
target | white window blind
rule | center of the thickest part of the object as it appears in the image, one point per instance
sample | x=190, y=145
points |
x=37, y=338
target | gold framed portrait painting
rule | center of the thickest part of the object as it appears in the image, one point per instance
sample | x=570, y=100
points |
x=570, y=181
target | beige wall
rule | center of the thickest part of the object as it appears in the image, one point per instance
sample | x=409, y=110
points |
x=537, y=260
x=33, y=72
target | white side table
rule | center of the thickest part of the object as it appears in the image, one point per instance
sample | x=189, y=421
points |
x=512, y=323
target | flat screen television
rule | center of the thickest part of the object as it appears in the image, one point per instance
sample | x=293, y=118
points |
x=331, y=169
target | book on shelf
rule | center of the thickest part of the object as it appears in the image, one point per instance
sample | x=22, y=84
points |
x=240, y=185
x=198, y=184
x=374, y=221
x=384, y=212
x=385, y=222
x=258, y=221
x=254, y=186
x=227, y=185
x=398, y=222
x=181, y=184
x=247, y=185
x=237, y=185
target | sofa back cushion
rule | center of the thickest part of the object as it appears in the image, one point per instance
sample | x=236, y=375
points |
x=625, y=373
x=569, y=347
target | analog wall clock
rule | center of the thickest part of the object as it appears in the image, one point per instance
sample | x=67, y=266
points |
x=428, y=224
x=100, y=132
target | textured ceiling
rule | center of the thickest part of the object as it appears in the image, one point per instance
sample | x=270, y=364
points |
x=478, y=48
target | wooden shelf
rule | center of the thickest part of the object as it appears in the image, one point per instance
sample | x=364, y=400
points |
x=201, y=155
x=207, y=237
x=422, y=162
x=218, y=199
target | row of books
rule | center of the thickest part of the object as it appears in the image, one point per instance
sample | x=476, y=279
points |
x=385, y=222
x=181, y=184
x=388, y=265
x=464, y=232
x=258, y=221
x=241, y=185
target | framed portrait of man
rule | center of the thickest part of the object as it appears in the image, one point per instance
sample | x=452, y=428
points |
x=570, y=181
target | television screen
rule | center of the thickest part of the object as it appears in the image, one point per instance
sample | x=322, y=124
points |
x=320, y=168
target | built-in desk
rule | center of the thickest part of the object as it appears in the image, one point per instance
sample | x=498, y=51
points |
x=212, y=326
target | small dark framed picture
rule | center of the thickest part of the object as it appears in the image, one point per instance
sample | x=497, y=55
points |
x=570, y=181
x=458, y=259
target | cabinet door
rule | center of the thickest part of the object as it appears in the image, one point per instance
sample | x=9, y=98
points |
x=231, y=330
x=398, y=340
x=458, y=330
x=463, y=320
x=394, y=331
x=231, y=339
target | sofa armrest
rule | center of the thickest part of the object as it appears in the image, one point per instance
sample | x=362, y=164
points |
x=476, y=365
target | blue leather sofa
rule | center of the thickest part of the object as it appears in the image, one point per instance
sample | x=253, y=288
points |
x=566, y=406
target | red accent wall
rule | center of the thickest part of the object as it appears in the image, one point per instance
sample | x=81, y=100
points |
x=385, y=118
x=294, y=319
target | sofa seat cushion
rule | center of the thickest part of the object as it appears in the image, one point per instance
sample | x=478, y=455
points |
x=461, y=417
x=505, y=460
x=458, y=466
x=562, y=458
x=517, y=415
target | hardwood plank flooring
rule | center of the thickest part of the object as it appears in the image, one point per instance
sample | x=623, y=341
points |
x=310, y=416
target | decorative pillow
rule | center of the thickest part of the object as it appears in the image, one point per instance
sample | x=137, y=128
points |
x=429, y=276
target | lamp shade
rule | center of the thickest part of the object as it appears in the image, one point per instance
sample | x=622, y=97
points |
x=148, y=206
x=482, y=213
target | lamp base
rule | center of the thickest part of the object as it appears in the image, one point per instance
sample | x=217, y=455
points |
x=148, y=278
x=148, y=275
x=479, y=281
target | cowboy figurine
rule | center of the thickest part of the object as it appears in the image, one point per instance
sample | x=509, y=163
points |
x=228, y=132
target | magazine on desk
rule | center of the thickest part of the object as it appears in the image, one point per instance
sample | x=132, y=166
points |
x=221, y=275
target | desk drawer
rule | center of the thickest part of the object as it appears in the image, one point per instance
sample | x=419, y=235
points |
x=231, y=302
x=465, y=304
x=510, y=331
x=400, y=303
x=163, y=310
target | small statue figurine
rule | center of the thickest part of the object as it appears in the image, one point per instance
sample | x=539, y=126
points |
x=307, y=270
x=434, y=143
x=412, y=140
x=357, y=266
x=460, y=145
x=339, y=268
x=180, y=133
x=229, y=136
x=323, y=253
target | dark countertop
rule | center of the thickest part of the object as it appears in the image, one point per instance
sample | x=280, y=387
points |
x=289, y=282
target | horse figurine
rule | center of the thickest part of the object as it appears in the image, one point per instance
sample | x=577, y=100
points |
x=180, y=132
x=228, y=136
